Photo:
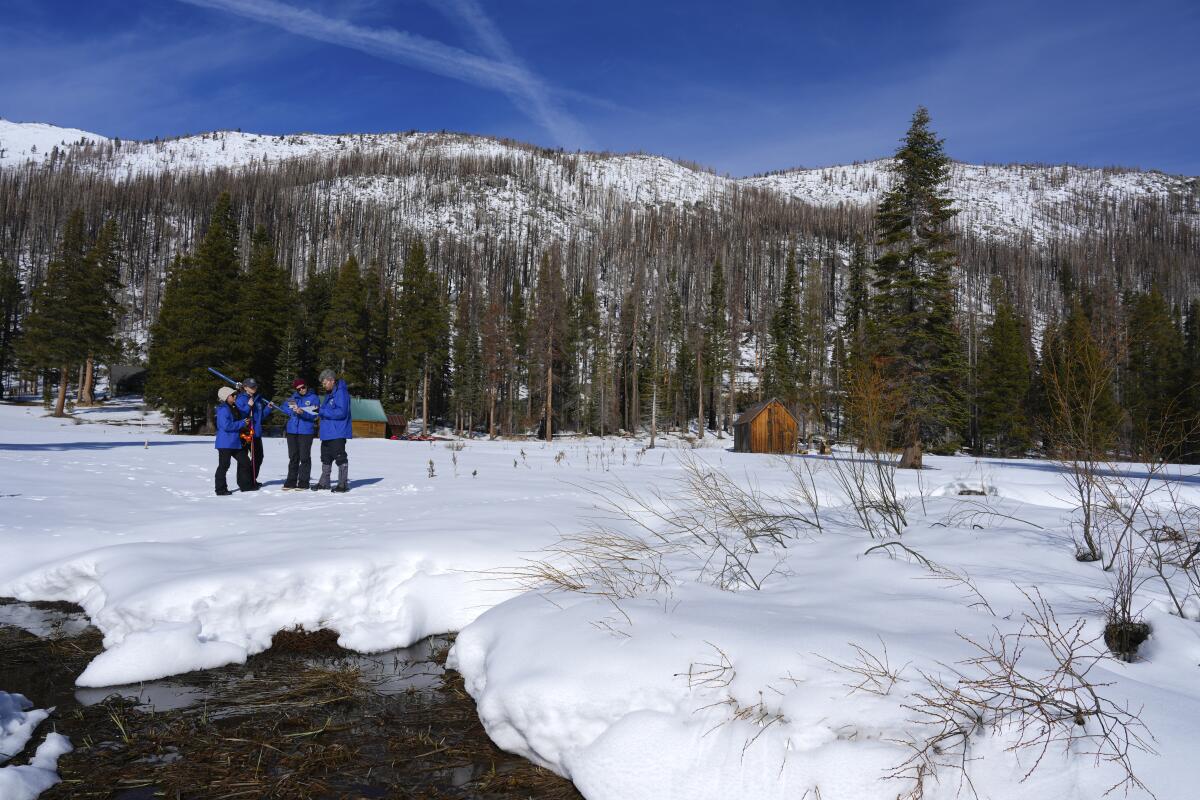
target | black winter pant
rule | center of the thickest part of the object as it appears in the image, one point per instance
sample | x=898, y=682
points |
x=258, y=457
x=245, y=476
x=333, y=451
x=299, y=460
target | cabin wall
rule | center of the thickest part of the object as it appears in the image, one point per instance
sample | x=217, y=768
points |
x=772, y=431
x=364, y=429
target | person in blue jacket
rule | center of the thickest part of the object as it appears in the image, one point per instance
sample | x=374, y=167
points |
x=231, y=422
x=301, y=426
x=335, y=429
x=257, y=409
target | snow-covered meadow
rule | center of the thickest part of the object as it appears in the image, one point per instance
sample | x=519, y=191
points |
x=649, y=681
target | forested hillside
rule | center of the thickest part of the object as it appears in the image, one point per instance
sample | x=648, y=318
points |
x=602, y=265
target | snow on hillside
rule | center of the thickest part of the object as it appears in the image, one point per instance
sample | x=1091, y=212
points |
x=651, y=682
x=22, y=142
x=992, y=200
x=568, y=191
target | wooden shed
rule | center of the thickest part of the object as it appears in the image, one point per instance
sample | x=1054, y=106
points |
x=765, y=428
x=367, y=418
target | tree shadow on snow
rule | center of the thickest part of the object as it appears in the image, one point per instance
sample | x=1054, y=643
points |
x=54, y=446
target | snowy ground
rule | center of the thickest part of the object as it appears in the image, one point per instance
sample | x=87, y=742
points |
x=674, y=689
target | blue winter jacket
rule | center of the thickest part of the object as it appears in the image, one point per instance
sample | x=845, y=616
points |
x=304, y=422
x=261, y=410
x=229, y=428
x=335, y=414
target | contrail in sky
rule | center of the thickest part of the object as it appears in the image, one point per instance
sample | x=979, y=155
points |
x=503, y=71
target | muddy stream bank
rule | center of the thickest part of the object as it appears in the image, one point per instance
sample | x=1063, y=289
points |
x=305, y=719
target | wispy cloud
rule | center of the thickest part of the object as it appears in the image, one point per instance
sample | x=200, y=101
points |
x=504, y=71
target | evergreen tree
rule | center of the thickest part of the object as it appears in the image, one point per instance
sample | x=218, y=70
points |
x=518, y=332
x=345, y=335
x=287, y=367
x=913, y=330
x=716, y=341
x=1189, y=384
x=684, y=372
x=266, y=305
x=101, y=315
x=12, y=300
x=858, y=303
x=196, y=327
x=465, y=358
x=422, y=332
x=61, y=310
x=378, y=298
x=549, y=335
x=781, y=378
x=810, y=349
x=314, y=309
x=585, y=338
x=1004, y=378
x=1152, y=378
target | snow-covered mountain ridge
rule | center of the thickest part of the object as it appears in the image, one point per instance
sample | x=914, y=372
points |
x=567, y=191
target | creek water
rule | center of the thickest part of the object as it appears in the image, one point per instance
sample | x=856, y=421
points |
x=305, y=719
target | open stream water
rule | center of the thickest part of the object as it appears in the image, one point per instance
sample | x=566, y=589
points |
x=305, y=719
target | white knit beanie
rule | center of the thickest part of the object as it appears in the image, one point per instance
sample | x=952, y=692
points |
x=223, y=393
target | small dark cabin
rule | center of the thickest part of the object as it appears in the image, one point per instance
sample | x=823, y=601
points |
x=767, y=427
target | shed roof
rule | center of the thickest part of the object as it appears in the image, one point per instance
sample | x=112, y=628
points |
x=364, y=410
x=753, y=411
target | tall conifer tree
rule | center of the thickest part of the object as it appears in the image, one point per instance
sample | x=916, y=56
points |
x=1004, y=378
x=913, y=308
x=265, y=308
x=12, y=300
x=61, y=311
x=716, y=341
x=781, y=378
x=345, y=336
x=1153, y=375
x=197, y=325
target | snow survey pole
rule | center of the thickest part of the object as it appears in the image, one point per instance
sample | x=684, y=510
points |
x=238, y=385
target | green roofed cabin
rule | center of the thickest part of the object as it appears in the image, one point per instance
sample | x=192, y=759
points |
x=367, y=418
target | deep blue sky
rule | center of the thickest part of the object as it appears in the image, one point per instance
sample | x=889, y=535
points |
x=742, y=86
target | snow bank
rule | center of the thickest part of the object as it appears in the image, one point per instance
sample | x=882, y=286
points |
x=692, y=692
x=124, y=522
x=18, y=721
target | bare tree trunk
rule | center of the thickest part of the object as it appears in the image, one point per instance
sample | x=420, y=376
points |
x=700, y=395
x=911, y=457
x=549, y=395
x=491, y=413
x=86, y=396
x=425, y=401
x=60, y=404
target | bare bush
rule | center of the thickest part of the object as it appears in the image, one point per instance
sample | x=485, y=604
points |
x=1038, y=709
x=868, y=479
x=717, y=675
x=725, y=531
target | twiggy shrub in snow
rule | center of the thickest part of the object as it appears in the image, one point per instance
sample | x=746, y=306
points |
x=868, y=479
x=1035, y=709
x=706, y=527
